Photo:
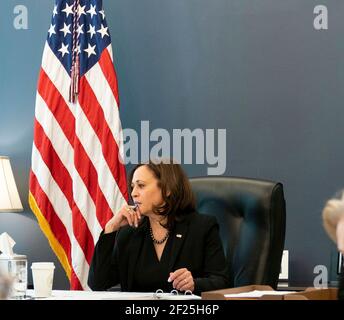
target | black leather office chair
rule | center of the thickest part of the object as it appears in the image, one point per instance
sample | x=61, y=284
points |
x=251, y=215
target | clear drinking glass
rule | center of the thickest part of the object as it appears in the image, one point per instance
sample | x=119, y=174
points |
x=17, y=269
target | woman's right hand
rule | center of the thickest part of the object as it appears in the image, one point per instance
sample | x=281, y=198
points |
x=127, y=215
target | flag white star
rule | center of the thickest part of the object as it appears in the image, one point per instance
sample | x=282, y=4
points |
x=92, y=11
x=51, y=30
x=80, y=29
x=92, y=31
x=102, y=13
x=90, y=50
x=81, y=10
x=103, y=31
x=55, y=11
x=65, y=29
x=68, y=9
x=64, y=49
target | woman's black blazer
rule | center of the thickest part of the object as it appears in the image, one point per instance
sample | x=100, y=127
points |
x=197, y=246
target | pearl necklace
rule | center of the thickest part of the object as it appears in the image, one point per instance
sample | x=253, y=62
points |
x=158, y=241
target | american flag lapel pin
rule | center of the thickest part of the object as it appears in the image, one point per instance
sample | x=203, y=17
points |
x=178, y=235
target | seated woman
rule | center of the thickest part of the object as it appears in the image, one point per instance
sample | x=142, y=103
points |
x=161, y=242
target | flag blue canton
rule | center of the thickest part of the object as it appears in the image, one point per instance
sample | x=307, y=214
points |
x=92, y=32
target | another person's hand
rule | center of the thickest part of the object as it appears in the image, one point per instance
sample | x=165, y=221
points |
x=340, y=234
x=127, y=215
x=333, y=217
x=182, y=280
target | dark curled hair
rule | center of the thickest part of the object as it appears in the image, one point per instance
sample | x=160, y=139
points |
x=177, y=195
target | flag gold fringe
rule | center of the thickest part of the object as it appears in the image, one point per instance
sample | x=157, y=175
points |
x=55, y=245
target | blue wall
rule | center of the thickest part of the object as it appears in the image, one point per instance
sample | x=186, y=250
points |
x=257, y=68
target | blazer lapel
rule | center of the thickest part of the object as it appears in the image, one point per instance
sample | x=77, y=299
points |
x=180, y=234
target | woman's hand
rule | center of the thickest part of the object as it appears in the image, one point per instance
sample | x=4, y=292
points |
x=127, y=215
x=182, y=280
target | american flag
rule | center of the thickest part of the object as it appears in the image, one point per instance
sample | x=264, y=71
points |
x=77, y=178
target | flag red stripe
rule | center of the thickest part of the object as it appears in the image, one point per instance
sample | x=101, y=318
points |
x=52, y=160
x=64, y=181
x=56, y=225
x=57, y=105
x=84, y=166
x=95, y=115
x=89, y=176
x=74, y=281
x=109, y=72
x=82, y=233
